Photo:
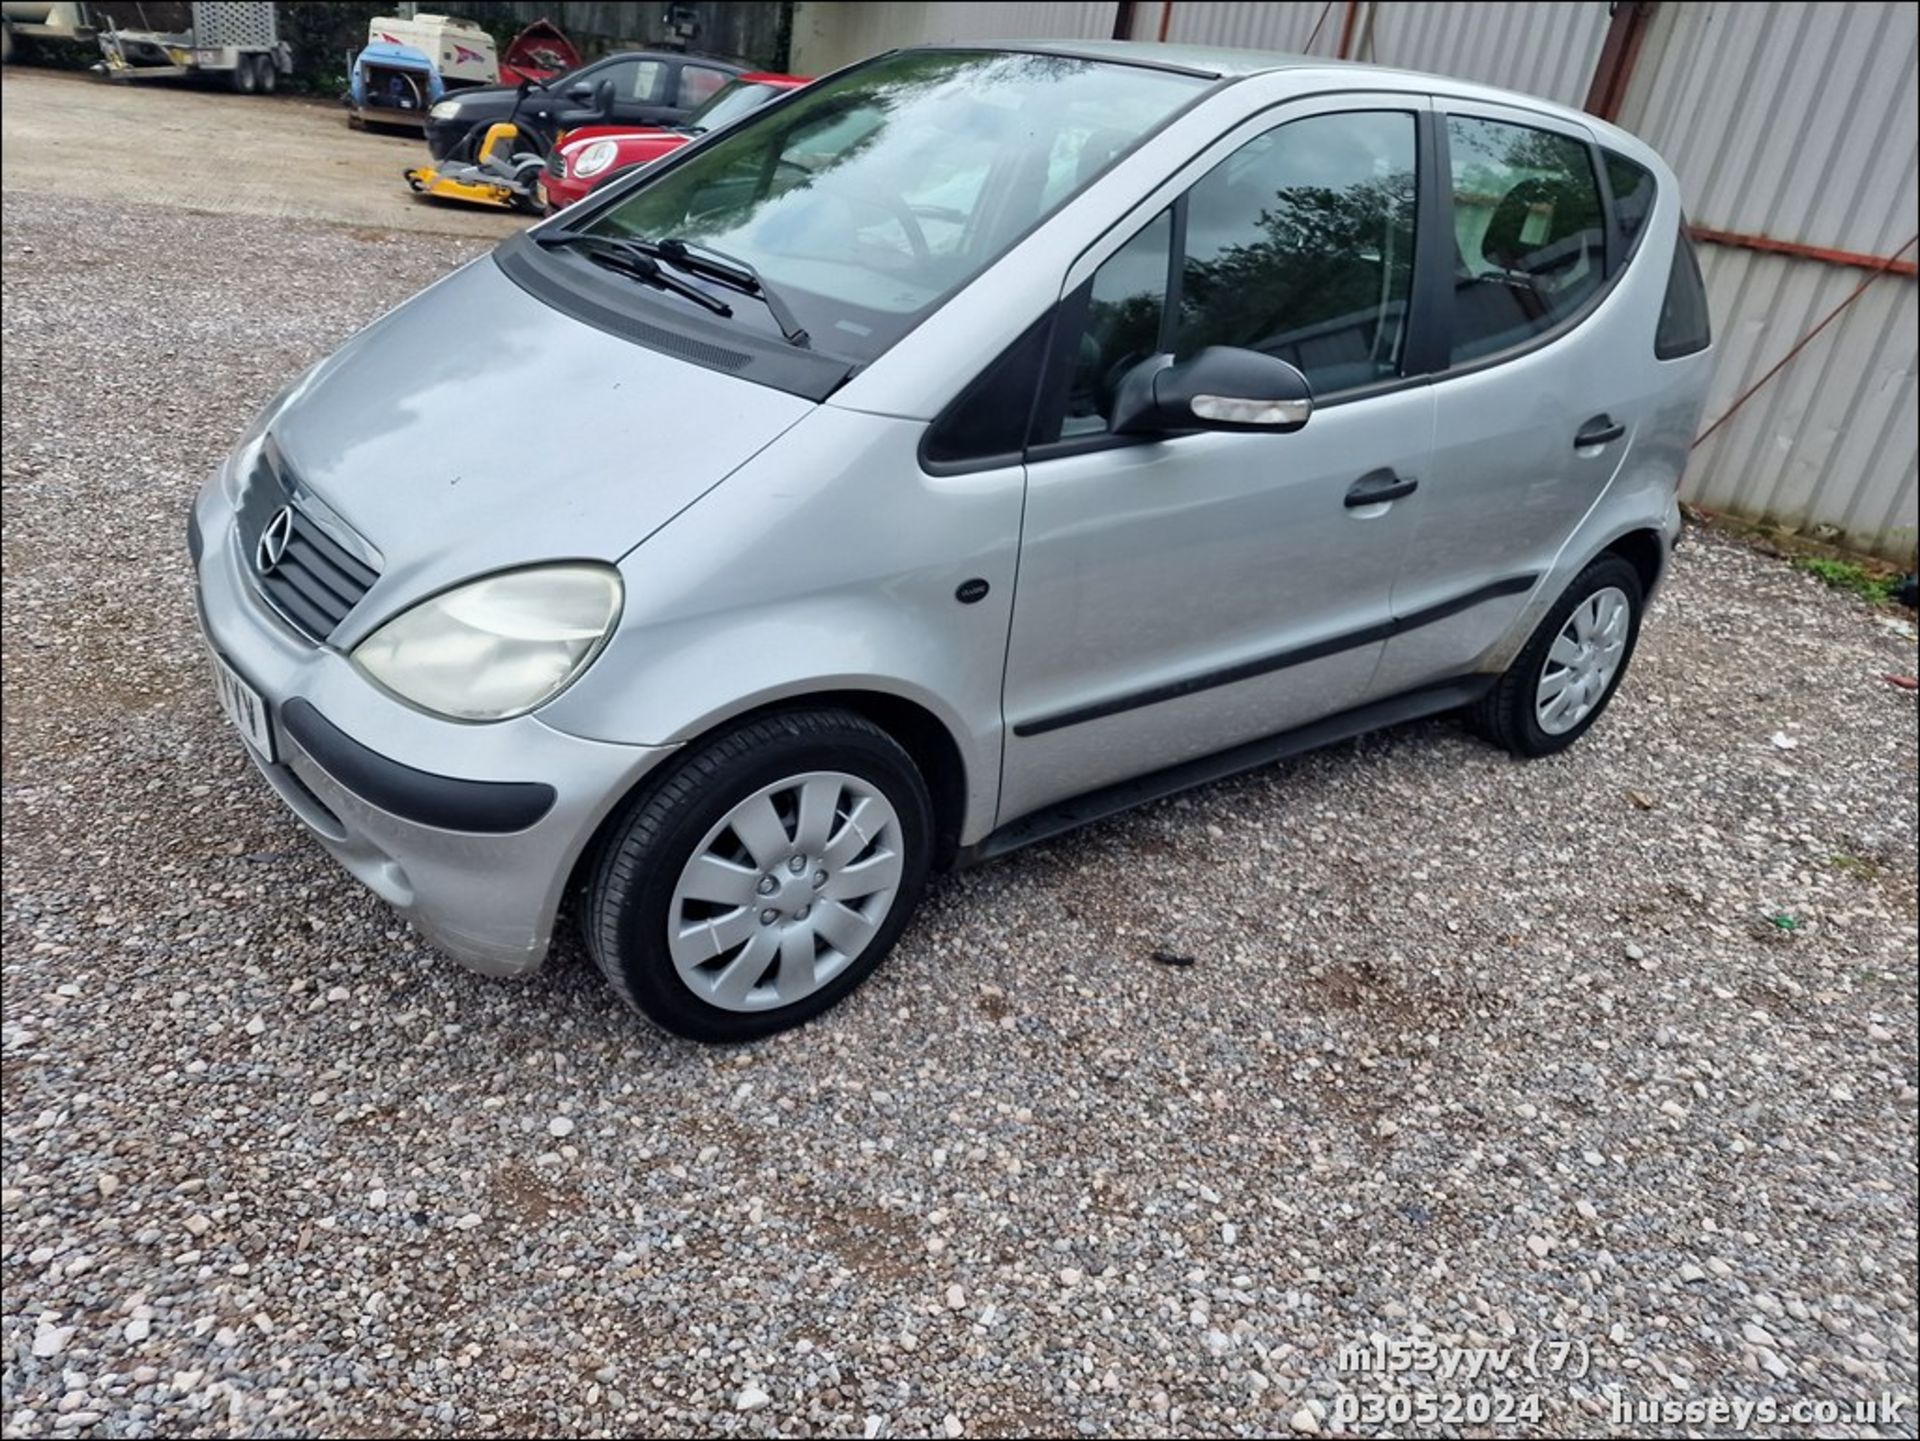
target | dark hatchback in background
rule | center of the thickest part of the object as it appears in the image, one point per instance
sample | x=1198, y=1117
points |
x=650, y=87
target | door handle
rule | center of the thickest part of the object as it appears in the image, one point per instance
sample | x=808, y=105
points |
x=1601, y=430
x=1377, y=487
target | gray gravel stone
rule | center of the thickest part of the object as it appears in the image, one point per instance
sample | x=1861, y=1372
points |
x=1408, y=929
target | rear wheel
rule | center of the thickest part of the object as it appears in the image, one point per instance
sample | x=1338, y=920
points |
x=1561, y=682
x=269, y=74
x=244, y=79
x=763, y=878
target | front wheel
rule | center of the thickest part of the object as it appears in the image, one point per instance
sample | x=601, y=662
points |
x=1561, y=682
x=763, y=878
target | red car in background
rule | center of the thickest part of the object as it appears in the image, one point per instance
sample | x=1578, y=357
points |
x=593, y=154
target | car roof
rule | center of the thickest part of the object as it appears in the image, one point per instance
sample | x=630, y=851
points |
x=682, y=56
x=1219, y=62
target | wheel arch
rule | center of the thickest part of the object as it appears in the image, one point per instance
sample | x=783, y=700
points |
x=921, y=733
x=1646, y=551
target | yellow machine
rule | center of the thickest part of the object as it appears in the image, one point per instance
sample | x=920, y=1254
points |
x=498, y=176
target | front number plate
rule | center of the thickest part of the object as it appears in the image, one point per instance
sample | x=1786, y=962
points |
x=244, y=707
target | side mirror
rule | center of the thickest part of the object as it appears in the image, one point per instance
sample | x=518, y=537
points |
x=1221, y=388
x=580, y=92
x=603, y=99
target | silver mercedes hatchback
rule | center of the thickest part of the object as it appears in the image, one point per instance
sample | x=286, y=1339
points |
x=967, y=446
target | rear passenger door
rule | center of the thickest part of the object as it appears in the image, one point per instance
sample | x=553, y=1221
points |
x=1528, y=428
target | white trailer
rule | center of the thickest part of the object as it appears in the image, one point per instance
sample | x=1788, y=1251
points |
x=233, y=40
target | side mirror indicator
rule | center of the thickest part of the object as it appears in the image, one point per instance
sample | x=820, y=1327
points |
x=1221, y=388
x=1240, y=411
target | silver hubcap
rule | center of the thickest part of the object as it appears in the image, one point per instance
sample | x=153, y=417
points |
x=1583, y=661
x=785, y=892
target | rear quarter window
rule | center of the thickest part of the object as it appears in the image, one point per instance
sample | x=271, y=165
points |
x=1685, y=327
x=1633, y=192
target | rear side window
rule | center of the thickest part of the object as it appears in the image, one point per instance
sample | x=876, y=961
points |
x=1529, y=233
x=1684, y=324
x=698, y=85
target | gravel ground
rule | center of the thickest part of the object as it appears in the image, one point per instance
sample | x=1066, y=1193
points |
x=1617, y=1048
x=159, y=143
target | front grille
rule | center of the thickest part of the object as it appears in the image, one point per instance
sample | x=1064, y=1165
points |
x=556, y=166
x=317, y=581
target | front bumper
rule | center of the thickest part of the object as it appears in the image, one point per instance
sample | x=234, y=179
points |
x=470, y=831
x=560, y=191
x=444, y=136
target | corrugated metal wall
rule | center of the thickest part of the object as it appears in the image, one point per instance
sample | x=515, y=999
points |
x=1544, y=49
x=1827, y=448
x=1800, y=122
x=1547, y=50
x=827, y=36
x=1301, y=29
x=1796, y=121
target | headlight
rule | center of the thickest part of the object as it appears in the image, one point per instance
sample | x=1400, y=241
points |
x=595, y=158
x=444, y=109
x=496, y=647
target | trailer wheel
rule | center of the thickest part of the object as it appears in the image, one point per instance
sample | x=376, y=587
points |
x=269, y=74
x=243, y=79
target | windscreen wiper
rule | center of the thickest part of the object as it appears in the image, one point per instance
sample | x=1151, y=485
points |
x=633, y=258
x=731, y=270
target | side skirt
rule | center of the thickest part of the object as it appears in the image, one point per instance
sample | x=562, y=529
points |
x=1112, y=800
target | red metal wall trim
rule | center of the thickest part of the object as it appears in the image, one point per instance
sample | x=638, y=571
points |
x=1618, y=55
x=1890, y=264
x=1346, y=29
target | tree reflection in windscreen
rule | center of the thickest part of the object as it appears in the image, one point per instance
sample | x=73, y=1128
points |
x=870, y=198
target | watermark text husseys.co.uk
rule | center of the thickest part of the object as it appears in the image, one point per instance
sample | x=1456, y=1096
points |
x=1883, y=1410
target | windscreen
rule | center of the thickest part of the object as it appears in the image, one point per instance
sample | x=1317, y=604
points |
x=873, y=196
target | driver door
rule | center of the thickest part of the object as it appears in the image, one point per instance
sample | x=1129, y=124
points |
x=1181, y=595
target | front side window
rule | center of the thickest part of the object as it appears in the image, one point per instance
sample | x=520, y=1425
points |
x=633, y=80
x=871, y=197
x=1125, y=308
x=1299, y=245
x=1528, y=230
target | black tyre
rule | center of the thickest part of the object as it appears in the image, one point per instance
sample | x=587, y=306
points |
x=244, y=79
x=269, y=74
x=1561, y=683
x=763, y=877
